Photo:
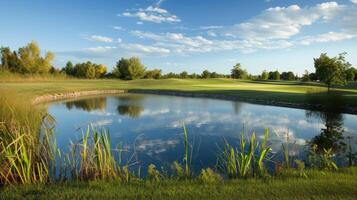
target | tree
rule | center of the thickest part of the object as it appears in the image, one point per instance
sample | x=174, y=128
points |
x=69, y=69
x=287, y=76
x=331, y=70
x=265, y=75
x=184, y=75
x=305, y=76
x=238, y=73
x=100, y=70
x=31, y=60
x=351, y=74
x=5, y=56
x=153, y=74
x=214, y=75
x=130, y=68
x=206, y=74
x=9, y=60
x=274, y=75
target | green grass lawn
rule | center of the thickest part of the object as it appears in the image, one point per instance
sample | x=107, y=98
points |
x=319, y=185
x=282, y=91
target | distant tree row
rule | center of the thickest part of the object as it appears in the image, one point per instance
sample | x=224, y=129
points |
x=29, y=60
x=132, y=68
x=85, y=70
x=26, y=60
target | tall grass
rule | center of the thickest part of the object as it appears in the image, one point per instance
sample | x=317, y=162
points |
x=6, y=76
x=23, y=158
x=246, y=160
x=184, y=170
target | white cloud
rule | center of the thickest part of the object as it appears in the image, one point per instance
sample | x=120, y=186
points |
x=153, y=14
x=144, y=49
x=210, y=27
x=354, y=1
x=326, y=37
x=119, y=28
x=179, y=43
x=100, y=49
x=283, y=22
x=98, y=38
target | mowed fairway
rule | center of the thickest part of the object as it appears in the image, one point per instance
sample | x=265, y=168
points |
x=282, y=91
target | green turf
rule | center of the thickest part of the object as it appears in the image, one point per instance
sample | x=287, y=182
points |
x=282, y=91
x=319, y=185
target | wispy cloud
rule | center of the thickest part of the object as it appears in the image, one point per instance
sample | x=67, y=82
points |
x=98, y=38
x=153, y=14
x=100, y=49
x=326, y=37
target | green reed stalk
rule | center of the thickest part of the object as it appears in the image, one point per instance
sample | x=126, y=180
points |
x=186, y=153
x=262, y=154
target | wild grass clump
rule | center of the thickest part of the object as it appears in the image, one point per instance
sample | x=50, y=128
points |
x=153, y=174
x=321, y=160
x=93, y=158
x=247, y=160
x=208, y=176
x=22, y=156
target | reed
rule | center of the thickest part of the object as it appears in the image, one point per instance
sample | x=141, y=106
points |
x=246, y=160
x=24, y=159
x=184, y=170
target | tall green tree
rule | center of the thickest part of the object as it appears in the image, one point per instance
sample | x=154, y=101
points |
x=274, y=75
x=289, y=76
x=331, y=70
x=131, y=68
x=153, y=74
x=184, y=75
x=69, y=69
x=9, y=60
x=238, y=73
x=206, y=74
x=306, y=76
x=265, y=75
x=351, y=74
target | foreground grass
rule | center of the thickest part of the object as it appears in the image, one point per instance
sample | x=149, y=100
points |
x=282, y=91
x=319, y=185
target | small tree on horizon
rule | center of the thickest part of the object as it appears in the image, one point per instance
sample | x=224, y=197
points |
x=206, y=74
x=130, y=69
x=331, y=70
x=239, y=73
x=265, y=75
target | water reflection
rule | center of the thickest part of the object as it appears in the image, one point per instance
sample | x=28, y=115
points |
x=133, y=111
x=97, y=103
x=331, y=135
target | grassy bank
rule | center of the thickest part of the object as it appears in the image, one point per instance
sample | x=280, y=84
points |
x=320, y=185
x=280, y=91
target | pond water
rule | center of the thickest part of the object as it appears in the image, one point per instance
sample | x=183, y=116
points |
x=150, y=127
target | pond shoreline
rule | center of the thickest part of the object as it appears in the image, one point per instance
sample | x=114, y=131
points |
x=347, y=110
x=73, y=95
x=77, y=94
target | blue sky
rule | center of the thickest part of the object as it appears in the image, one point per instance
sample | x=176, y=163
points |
x=191, y=35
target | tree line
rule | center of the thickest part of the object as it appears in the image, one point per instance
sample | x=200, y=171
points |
x=28, y=60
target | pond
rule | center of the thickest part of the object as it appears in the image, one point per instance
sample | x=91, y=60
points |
x=150, y=127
